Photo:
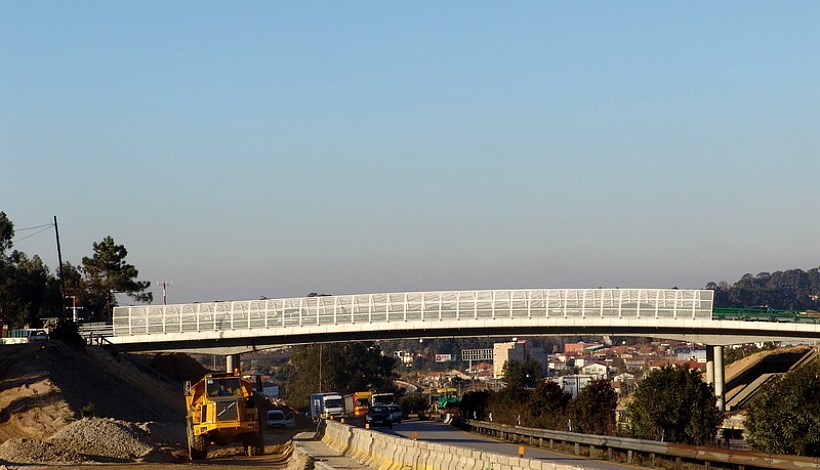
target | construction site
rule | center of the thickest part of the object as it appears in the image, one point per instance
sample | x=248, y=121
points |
x=64, y=406
x=61, y=406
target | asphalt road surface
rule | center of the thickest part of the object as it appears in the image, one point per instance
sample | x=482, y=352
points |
x=444, y=434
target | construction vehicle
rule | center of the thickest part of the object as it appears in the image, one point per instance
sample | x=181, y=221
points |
x=357, y=404
x=445, y=398
x=221, y=409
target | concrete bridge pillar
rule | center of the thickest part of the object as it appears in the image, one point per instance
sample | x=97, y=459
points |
x=232, y=363
x=710, y=366
x=719, y=378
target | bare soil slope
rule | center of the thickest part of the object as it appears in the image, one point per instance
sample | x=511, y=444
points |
x=70, y=380
x=138, y=417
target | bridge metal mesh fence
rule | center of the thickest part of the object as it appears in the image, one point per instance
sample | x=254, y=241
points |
x=413, y=307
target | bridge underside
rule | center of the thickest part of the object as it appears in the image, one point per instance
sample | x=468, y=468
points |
x=243, y=344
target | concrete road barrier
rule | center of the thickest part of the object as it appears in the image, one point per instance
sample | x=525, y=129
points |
x=386, y=452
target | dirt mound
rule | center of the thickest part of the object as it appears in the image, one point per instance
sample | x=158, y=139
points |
x=86, y=440
x=46, y=388
x=178, y=366
x=23, y=450
x=104, y=438
x=31, y=401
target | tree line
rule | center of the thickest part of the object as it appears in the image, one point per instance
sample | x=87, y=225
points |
x=793, y=289
x=338, y=367
x=671, y=404
x=29, y=291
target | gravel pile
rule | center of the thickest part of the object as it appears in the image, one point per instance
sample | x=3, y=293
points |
x=86, y=440
x=22, y=450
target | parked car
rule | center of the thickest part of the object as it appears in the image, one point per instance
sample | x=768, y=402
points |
x=379, y=415
x=280, y=418
x=395, y=414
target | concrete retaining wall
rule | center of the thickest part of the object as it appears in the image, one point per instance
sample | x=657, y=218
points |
x=387, y=452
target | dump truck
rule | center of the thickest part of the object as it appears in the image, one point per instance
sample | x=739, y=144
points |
x=222, y=409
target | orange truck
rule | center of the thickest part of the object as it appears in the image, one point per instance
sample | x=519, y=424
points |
x=357, y=404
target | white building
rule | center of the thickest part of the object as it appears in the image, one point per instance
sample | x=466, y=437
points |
x=593, y=368
x=687, y=354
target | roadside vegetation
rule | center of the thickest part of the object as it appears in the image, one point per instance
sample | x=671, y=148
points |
x=544, y=405
x=673, y=404
x=340, y=367
x=785, y=418
x=30, y=291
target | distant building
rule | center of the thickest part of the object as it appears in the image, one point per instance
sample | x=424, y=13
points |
x=595, y=369
x=635, y=364
x=482, y=370
x=555, y=366
x=692, y=364
x=581, y=361
x=405, y=357
x=520, y=350
x=581, y=348
x=689, y=354
x=625, y=377
x=572, y=384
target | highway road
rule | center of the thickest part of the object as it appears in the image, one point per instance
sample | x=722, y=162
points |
x=441, y=433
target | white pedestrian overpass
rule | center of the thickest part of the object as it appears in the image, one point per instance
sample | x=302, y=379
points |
x=242, y=326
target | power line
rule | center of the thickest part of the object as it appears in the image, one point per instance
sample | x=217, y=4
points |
x=32, y=228
x=43, y=228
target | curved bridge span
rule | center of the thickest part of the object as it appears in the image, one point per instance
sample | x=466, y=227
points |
x=239, y=326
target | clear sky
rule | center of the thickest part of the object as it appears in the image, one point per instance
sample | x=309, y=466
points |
x=248, y=149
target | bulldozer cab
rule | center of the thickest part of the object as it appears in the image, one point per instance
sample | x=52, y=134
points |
x=226, y=387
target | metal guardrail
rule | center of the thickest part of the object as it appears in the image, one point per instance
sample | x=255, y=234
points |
x=95, y=333
x=766, y=314
x=604, y=445
x=666, y=304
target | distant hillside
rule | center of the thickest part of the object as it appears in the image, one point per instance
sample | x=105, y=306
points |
x=791, y=289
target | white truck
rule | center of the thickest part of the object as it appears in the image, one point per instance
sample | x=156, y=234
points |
x=326, y=405
x=382, y=399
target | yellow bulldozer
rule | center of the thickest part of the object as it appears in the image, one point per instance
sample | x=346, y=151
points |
x=222, y=409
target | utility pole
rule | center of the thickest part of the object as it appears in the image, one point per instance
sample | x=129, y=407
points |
x=60, y=270
x=165, y=285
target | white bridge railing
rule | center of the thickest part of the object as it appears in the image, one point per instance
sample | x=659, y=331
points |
x=414, y=306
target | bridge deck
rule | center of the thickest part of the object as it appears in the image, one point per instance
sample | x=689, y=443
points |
x=415, y=306
x=238, y=326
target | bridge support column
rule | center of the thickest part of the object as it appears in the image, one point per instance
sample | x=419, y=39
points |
x=232, y=362
x=710, y=366
x=719, y=378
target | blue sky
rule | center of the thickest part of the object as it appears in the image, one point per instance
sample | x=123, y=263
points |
x=274, y=149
